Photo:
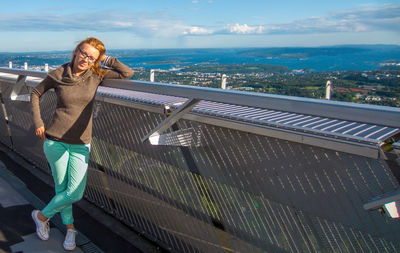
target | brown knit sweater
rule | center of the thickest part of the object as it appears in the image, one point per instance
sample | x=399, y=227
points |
x=72, y=120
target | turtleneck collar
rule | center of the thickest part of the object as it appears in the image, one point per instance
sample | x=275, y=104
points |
x=64, y=75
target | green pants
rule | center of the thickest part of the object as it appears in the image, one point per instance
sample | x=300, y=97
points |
x=69, y=163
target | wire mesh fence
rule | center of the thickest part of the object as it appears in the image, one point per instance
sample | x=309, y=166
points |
x=229, y=191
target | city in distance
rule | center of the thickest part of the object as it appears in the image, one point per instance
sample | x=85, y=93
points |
x=358, y=73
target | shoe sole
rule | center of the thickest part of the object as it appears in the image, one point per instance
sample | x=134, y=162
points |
x=69, y=248
x=37, y=230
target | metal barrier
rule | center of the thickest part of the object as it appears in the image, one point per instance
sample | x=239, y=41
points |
x=195, y=170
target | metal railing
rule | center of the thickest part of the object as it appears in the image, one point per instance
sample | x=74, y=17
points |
x=198, y=180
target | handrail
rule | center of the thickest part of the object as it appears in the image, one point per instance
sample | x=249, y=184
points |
x=382, y=115
x=40, y=74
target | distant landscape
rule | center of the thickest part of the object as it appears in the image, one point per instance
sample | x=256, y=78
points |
x=358, y=73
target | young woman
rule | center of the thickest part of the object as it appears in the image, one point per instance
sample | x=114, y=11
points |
x=67, y=138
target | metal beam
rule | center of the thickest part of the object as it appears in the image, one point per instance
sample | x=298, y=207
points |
x=40, y=74
x=174, y=117
x=381, y=200
x=15, y=92
x=383, y=115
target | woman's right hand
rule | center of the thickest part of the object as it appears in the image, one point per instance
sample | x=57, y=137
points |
x=40, y=133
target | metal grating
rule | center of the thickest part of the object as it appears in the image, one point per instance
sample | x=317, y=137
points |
x=4, y=138
x=318, y=125
x=22, y=130
x=328, y=126
x=237, y=191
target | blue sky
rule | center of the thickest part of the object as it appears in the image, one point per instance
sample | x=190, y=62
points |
x=124, y=24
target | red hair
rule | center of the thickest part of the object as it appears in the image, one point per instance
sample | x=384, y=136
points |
x=96, y=43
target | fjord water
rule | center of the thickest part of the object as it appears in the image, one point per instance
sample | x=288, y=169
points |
x=356, y=57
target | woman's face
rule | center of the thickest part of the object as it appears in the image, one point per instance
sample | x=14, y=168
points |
x=85, y=56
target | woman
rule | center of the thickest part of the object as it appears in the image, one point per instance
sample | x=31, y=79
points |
x=67, y=138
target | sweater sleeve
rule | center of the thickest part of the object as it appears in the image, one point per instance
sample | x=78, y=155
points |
x=37, y=92
x=118, y=69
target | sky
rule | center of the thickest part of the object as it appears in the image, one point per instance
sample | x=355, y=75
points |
x=50, y=25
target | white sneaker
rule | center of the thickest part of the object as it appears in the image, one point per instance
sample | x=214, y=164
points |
x=42, y=227
x=69, y=242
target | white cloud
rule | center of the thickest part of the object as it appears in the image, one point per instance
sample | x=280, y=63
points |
x=122, y=24
x=369, y=19
x=386, y=17
x=245, y=29
x=195, y=2
x=195, y=30
x=350, y=21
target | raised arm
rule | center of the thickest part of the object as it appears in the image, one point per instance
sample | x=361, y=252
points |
x=118, y=69
x=37, y=92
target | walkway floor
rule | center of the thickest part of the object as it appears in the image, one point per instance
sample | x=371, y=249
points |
x=21, y=191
